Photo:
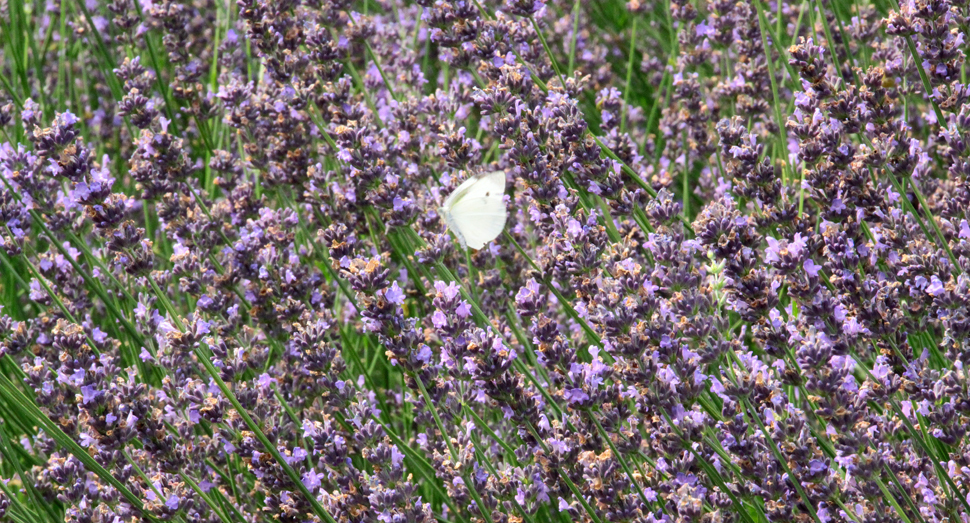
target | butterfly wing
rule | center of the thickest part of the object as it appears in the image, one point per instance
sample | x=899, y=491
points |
x=476, y=210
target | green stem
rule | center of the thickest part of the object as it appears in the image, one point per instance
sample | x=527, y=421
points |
x=575, y=37
x=552, y=59
x=629, y=74
x=940, y=119
x=776, y=99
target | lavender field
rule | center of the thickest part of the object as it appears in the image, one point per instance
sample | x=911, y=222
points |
x=731, y=286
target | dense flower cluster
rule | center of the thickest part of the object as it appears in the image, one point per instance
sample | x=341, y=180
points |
x=732, y=287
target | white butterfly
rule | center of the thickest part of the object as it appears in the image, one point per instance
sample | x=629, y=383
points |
x=475, y=211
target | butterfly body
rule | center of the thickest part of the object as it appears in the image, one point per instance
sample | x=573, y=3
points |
x=475, y=211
